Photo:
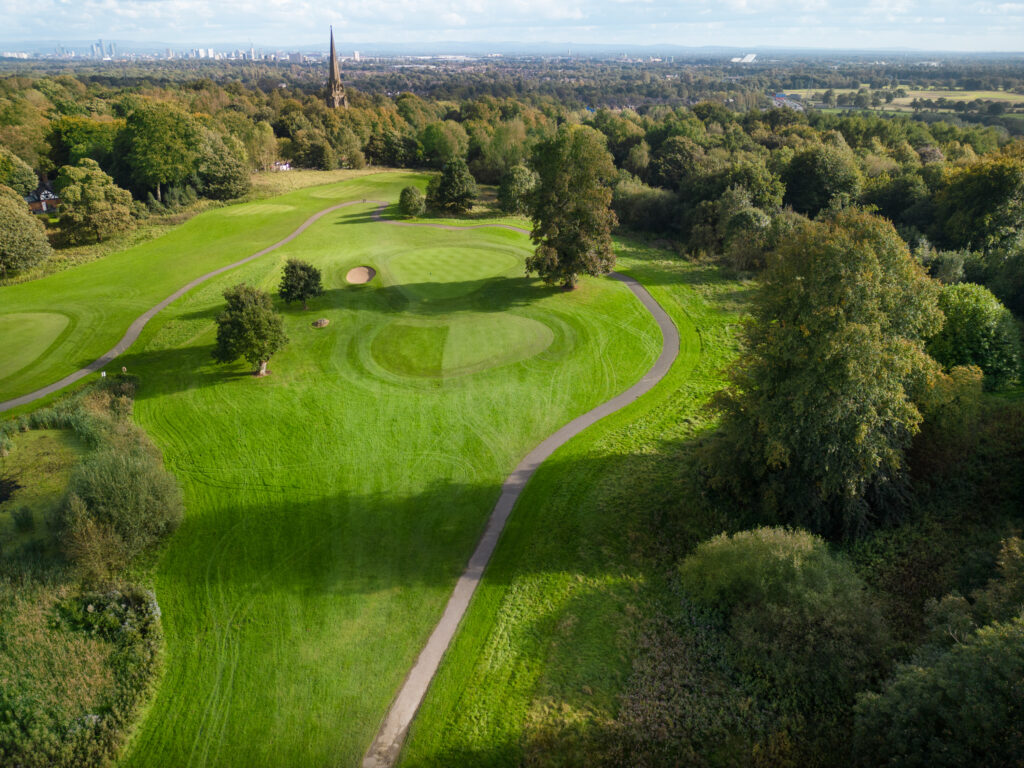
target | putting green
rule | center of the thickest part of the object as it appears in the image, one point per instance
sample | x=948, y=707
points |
x=459, y=345
x=431, y=274
x=27, y=336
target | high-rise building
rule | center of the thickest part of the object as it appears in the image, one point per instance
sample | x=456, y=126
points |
x=335, y=90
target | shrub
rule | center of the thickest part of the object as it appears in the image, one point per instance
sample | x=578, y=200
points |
x=965, y=709
x=38, y=732
x=118, y=498
x=644, y=208
x=412, y=202
x=800, y=621
x=24, y=520
x=979, y=331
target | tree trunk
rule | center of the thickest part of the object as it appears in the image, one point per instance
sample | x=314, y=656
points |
x=570, y=282
x=263, y=368
x=304, y=305
x=159, y=199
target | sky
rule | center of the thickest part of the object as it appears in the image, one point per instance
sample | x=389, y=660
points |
x=948, y=25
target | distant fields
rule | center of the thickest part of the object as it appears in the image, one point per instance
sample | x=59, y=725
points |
x=331, y=506
x=902, y=104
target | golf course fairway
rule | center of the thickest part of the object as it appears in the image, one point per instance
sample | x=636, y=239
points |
x=331, y=505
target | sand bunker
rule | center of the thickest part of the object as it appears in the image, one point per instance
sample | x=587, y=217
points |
x=360, y=275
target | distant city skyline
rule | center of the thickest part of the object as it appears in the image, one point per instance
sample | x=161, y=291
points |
x=975, y=26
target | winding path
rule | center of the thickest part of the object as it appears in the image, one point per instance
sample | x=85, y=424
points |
x=384, y=751
x=132, y=334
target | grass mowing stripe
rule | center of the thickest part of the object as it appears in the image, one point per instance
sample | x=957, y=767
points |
x=332, y=505
x=545, y=648
x=103, y=297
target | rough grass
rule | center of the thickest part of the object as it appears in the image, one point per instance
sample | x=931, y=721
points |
x=67, y=673
x=536, y=671
x=40, y=463
x=332, y=504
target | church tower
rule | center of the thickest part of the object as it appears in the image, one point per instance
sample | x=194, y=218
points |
x=335, y=90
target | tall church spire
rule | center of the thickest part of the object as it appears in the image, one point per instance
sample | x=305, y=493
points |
x=335, y=90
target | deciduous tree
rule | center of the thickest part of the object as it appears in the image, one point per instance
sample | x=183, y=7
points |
x=517, y=185
x=571, y=211
x=23, y=242
x=979, y=331
x=16, y=173
x=301, y=282
x=91, y=205
x=823, y=401
x=161, y=144
x=248, y=327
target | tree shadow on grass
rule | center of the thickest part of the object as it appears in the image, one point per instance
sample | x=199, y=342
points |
x=167, y=371
x=492, y=294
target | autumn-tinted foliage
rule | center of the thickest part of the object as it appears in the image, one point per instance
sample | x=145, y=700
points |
x=822, y=405
x=571, y=207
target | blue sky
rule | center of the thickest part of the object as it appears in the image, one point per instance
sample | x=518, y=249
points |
x=942, y=24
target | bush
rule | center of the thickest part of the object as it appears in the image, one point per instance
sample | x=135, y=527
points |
x=644, y=208
x=979, y=331
x=800, y=621
x=965, y=709
x=121, y=501
x=24, y=520
x=412, y=202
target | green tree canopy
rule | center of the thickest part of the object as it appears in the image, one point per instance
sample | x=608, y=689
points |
x=979, y=331
x=818, y=174
x=799, y=618
x=982, y=205
x=967, y=708
x=221, y=167
x=23, y=242
x=161, y=145
x=517, y=185
x=248, y=327
x=412, y=202
x=301, y=282
x=91, y=205
x=16, y=173
x=822, y=405
x=571, y=211
x=455, y=189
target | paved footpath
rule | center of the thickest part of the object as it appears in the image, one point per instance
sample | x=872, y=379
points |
x=132, y=334
x=384, y=751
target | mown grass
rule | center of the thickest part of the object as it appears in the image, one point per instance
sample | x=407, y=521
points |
x=331, y=505
x=102, y=297
x=536, y=671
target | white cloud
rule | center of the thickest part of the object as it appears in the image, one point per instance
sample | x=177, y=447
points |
x=946, y=24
